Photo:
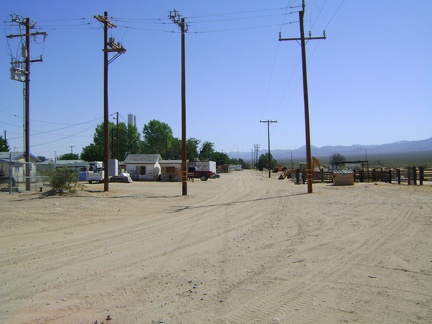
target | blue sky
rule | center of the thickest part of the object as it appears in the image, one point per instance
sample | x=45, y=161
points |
x=370, y=81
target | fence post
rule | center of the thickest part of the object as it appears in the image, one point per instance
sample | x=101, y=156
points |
x=421, y=175
x=415, y=175
x=10, y=173
x=390, y=175
x=409, y=175
x=398, y=176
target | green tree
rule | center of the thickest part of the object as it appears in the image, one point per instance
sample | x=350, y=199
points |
x=41, y=158
x=206, y=151
x=220, y=158
x=263, y=161
x=175, y=150
x=133, y=142
x=157, y=138
x=192, y=148
x=4, y=147
x=68, y=156
x=128, y=142
x=240, y=161
x=337, y=158
x=92, y=152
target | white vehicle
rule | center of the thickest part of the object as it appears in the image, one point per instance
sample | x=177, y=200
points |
x=206, y=166
x=95, y=172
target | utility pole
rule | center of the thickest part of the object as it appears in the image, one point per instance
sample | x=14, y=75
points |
x=71, y=146
x=256, y=150
x=302, y=40
x=109, y=46
x=23, y=75
x=118, y=139
x=175, y=17
x=268, y=136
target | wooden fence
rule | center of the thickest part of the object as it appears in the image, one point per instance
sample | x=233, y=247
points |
x=410, y=176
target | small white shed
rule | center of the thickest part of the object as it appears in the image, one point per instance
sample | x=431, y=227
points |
x=143, y=166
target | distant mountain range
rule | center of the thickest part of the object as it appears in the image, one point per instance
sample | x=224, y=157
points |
x=402, y=147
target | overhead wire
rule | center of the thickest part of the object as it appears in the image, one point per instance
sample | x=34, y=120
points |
x=274, y=113
x=310, y=56
x=274, y=61
x=154, y=24
x=61, y=139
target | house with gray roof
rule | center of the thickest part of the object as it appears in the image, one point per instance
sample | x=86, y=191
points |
x=143, y=166
x=13, y=164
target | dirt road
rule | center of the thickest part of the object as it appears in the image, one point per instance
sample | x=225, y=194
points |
x=240, y=249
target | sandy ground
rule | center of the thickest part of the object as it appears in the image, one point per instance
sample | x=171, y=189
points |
x=240, y=249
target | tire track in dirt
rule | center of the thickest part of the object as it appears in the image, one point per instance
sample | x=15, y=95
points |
x=191, y=232
x=283, y=303
x=116, y=237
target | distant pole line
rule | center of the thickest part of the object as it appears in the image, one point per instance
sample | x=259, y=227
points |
x=268, y=137
x=255, y=155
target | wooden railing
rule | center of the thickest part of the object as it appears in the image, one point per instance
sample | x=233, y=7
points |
x=410, y=176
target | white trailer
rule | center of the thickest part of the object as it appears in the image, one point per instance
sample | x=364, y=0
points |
x=206, y=166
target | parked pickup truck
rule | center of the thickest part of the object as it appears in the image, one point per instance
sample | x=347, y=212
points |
x=96, y=172
x=203, y=175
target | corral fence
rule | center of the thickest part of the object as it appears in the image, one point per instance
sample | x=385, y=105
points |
x=410, y=176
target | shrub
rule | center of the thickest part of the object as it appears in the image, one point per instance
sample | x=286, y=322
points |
x=63, y=179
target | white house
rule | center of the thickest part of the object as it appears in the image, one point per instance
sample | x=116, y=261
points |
x=143, y=166
x=15, y=163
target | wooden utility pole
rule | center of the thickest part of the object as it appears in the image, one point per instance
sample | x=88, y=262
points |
x=118, y=139
x=302, y=40
x=109, y=46
x=256, y=148
x=23, y=75
x=175, y=17
x=268, y=137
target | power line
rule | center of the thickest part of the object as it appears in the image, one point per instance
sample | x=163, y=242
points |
x=61, y=139
x=133, y=23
